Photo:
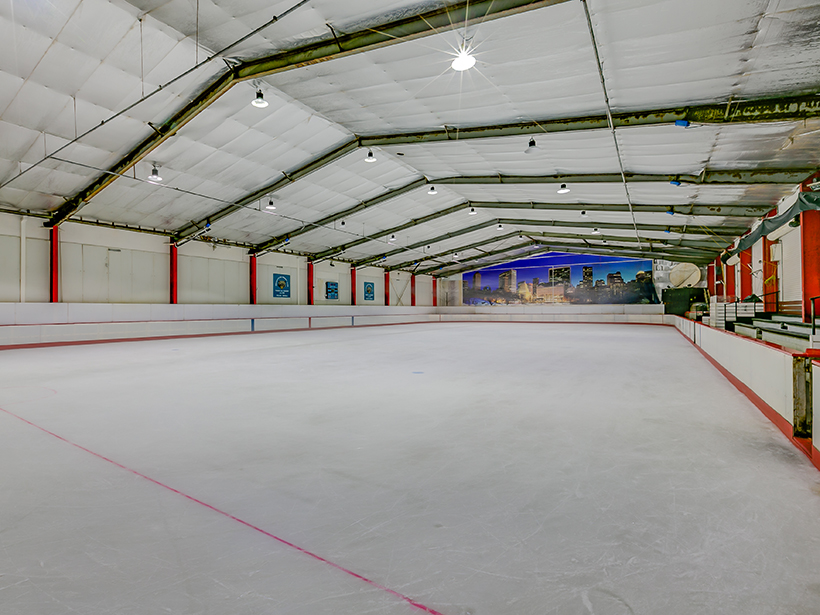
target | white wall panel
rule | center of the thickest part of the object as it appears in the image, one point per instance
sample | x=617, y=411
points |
x=790, y=267
x=757, y=268
x=400, y=288
x=424, y=290
x=9, y=268
x=376, y=276
x=36, y=270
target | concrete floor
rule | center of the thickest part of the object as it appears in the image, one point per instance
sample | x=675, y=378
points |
x=483, y=469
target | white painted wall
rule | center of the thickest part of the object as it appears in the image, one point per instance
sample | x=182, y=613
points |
x=323, y=273
x=370, y=274
x=270, y=264
x=757, y=268
x=400, y=291
x=424, y=290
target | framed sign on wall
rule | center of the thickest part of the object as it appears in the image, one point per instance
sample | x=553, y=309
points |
x=332, y=290
x=281, y=286
x=369, y=291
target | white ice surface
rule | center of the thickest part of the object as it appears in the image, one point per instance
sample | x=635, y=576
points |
x=486, y=469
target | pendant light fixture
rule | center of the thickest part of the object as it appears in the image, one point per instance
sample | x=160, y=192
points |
x=270, y=205
x=370, y=157
x=595, y=231
x=392, y=238
x=472, y=211
x=463, y=60
x=532, y=148
x=500, y=227
x=563, y=189
x=432, y=190
x=259, y=102
x=154, y=177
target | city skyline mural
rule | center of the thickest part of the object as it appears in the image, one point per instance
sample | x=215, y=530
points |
x=562, y=278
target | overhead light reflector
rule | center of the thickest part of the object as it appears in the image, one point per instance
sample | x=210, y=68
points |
x=154, y=177
x=259, y=102
x=370, y=157
x=463, y=61
x=563, y=189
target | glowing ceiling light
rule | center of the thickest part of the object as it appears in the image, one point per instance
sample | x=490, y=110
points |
x=370, y=157
x=563, y=189
x=472, y=211
x=584, y=214
x=432, y=190
x=500, y=227
x=463, y=61
x=595, y=231
x=259, y=102
x=154, y=177
x=392, y=238
x=270, y=205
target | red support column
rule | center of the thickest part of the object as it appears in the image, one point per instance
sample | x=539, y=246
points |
x=352, y=286
x=770, y=285
x=810, y=246
x=387, y=288
x=54, y=265
x=435, y=292
x=310, y=282
x=252, y=278
x=745, y=273
x=174, y=299
x=413, y=289
x=729, y=283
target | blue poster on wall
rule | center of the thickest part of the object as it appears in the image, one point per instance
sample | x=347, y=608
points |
x=331, y=290
x=369, y=291
x=281, y=286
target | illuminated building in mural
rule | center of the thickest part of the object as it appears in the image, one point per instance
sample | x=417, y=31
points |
x=508, y=281
x=476, y=281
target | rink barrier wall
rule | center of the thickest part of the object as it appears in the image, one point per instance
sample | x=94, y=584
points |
x=760, y=370
x=38, y=324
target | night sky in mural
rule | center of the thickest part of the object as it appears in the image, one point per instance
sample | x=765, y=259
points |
x=562, y=278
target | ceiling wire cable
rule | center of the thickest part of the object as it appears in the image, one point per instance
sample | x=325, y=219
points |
x=158, y=89
x=250, y=207
x=609, y=120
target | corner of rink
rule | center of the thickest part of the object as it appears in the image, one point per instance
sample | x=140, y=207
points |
x=767, y=374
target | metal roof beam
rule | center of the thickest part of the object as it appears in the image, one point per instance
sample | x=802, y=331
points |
x=717, y=177
x=456, y=15
x=630, y=253
x=396, y=229
x=463, y=261
x=537, y=237
x=701, y=246
x=654, y=244
x=286, y=179
x=471, y=246
x=378, y=200
x=373, y=259
x=751, y=211
x=725, y=234
x=780, y=109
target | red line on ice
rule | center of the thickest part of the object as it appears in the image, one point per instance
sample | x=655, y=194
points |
x=392, y=592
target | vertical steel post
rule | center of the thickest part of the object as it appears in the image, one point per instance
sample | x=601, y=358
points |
x=435, y=292
x=252, y=279
x=54, y=265
x=413, y=289
x=387, y=288
x=310, y=282
x=174, y=290
x=352, y=285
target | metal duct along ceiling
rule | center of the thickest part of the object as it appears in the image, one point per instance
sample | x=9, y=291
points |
x=705, y=146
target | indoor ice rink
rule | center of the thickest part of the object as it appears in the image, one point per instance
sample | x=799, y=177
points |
x=459, y=468
x=391, y=307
